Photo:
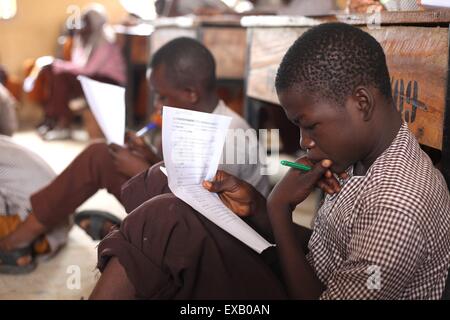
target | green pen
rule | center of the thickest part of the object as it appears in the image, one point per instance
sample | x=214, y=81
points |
x=295, y=165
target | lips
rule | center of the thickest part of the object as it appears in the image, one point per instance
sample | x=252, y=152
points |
x=312, y=161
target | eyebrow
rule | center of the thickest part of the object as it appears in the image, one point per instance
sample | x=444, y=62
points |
x=298, y=118
x=293, y=119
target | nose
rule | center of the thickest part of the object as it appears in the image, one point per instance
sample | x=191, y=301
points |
x=306, y=142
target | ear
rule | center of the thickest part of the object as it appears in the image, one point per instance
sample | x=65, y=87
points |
x=365, y=102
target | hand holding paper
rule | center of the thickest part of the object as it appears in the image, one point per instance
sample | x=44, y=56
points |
x=239, y=196
x=192, y=146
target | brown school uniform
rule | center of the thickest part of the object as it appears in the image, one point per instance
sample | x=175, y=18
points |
x=170, y=251
x=391, y=225
x=92, y=170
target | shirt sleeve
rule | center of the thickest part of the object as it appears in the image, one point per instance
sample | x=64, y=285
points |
x=382, y=258
x=60, y=66
x=97, y=60
x=8, y=117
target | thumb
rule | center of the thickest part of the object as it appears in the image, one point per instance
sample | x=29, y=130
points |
x=114, y=147
x=222, y=182
x=319, y=170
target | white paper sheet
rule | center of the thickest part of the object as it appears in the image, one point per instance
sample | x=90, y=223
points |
x=192, y=147
x=436, y=3
x=163, y=170
x=107, y=103
x=28, y=83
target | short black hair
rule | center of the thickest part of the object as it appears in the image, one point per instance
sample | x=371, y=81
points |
x=187, y=62
x=331, y=60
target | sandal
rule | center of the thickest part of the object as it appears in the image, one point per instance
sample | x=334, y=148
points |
x=8, y=261
x=97, y=220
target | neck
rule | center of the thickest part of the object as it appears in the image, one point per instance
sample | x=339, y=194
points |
x=208, y=104
x=382, y=139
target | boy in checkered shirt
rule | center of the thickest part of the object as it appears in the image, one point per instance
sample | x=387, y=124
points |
x=383, y=231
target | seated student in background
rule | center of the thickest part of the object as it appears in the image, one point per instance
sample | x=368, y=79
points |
x=21, y=174
x=95, y=54
x=8, y=116
x=183, y=76
x=383, y=231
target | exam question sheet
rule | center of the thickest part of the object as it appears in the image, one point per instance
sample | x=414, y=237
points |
x=107, y=103
x=192, y=147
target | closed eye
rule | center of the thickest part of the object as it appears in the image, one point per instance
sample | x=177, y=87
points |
x=296, y=122
x=310, y=127
x=160, y=97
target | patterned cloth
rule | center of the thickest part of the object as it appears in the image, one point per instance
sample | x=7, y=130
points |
x=386, y=235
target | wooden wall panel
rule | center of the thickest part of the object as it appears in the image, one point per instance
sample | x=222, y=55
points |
x=228, y=46
x=417, y=58
x=163, y=35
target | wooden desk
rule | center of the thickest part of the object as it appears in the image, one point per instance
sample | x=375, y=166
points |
x=417, y=51
x=135, y=41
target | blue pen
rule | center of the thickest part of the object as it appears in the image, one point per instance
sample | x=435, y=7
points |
x=146, y=129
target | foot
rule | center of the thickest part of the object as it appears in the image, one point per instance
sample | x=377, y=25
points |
x=12, y=242
x=85, y=224
x=57, y=134
x=45, y=126
x=24, y=235
x=96, y=223
x=6, y=245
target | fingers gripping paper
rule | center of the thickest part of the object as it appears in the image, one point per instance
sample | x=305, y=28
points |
x=107, y=103
x=192, y=147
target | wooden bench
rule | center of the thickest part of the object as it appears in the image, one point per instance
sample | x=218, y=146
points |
x=417, y=51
